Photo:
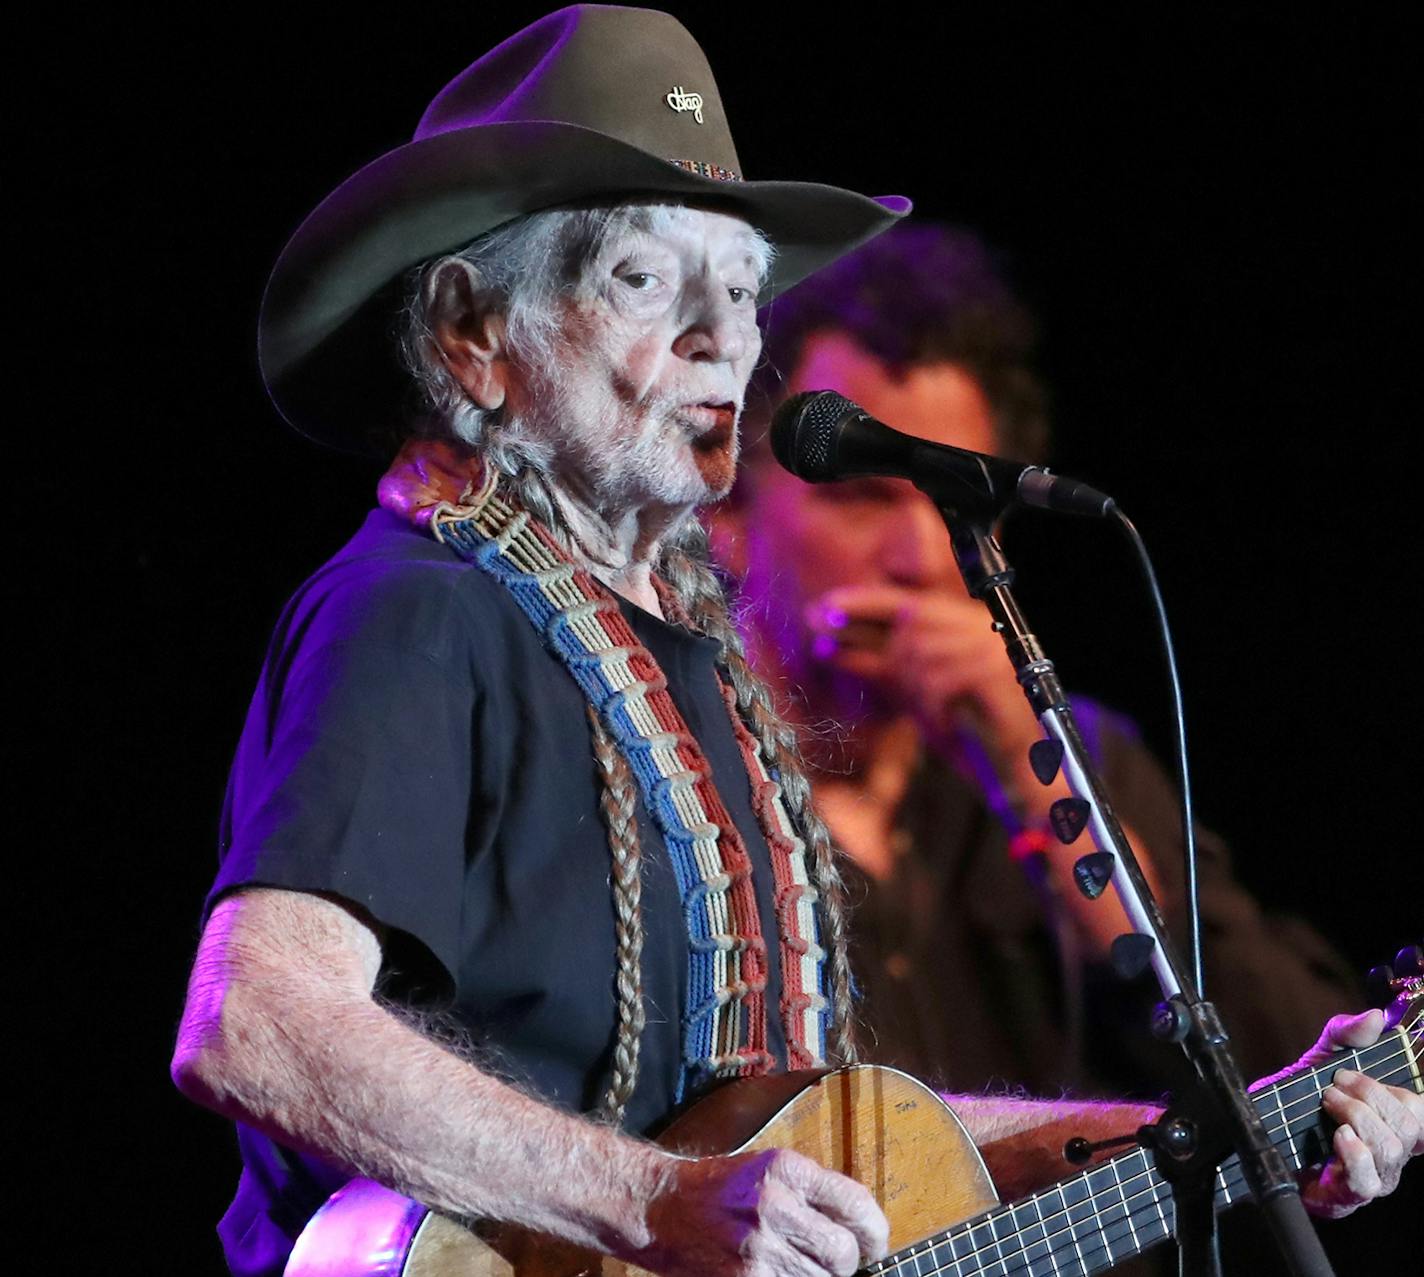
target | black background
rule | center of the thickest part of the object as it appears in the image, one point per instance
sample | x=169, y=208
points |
x=1208, y=210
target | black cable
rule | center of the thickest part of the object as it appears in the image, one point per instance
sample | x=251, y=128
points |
x=1184, y=781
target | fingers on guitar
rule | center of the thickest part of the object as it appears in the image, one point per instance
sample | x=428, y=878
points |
x=837, y=1199
x=1356, y=1179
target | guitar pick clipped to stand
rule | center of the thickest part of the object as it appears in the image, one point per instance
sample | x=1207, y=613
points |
x=1216, y=1117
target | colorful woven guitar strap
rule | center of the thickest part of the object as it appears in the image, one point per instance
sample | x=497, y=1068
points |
x=724, y=1031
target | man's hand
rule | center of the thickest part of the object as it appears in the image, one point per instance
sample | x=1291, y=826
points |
x=932, y=652
x=768, y=1214
x=1380, y=1127
x=935, y=655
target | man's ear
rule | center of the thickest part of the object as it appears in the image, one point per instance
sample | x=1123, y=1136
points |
x=467, y=322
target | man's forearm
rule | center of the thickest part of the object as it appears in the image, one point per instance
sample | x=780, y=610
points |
x=1099, y=921
x=1022, y=1139
x=279, y=1035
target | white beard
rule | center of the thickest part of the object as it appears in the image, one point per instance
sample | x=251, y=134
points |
x=617, y=472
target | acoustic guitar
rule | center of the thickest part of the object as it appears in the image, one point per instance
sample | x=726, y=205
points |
x=899, y=1139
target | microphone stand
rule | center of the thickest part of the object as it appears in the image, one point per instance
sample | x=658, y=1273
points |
x=1196, y=1133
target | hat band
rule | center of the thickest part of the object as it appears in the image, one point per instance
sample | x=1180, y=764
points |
x=714, y=171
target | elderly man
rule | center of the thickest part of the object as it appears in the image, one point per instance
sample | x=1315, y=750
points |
x=515, y=852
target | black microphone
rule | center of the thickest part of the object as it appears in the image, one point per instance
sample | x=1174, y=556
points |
x=821, y=436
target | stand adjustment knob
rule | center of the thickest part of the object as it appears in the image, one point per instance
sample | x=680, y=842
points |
x=1178, y=1136
x=1170, y=1021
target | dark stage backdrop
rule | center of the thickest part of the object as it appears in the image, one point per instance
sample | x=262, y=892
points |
x=1208, y=211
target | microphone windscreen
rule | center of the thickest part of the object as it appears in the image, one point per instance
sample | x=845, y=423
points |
x=804, y=431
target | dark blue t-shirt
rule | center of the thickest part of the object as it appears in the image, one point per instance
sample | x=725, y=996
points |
x=413, y=748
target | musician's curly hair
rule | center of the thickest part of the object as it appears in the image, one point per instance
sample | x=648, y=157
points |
x=920, y=293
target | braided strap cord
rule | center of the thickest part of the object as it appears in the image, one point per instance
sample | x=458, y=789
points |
x=807, y=1012
x=724, y=1024
x=805, y=1008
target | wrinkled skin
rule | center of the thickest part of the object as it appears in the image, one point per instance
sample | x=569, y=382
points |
x=1379, y=1127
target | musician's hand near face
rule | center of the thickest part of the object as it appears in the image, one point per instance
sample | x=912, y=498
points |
x=1379, y=1127
x=774, y=1214
x=934, y=655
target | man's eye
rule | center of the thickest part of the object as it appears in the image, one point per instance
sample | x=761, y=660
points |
x=642, y=280
x=741, y=295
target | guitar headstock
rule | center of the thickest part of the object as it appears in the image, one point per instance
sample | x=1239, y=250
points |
x=1407, y=1009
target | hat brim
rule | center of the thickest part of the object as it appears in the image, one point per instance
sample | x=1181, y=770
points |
x=327, y=328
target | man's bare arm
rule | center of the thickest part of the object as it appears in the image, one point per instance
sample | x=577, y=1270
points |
x=280, y=1031
x=1022, y=1139
x=1380, y=1128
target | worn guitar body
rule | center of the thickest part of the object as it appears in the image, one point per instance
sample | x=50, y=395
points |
x=877, y=1125
x=897, y=1138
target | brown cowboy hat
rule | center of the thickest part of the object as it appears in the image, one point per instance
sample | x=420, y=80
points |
x=587, y=103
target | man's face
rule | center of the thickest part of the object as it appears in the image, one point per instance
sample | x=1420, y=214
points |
x=643, y=398
x=804, y=540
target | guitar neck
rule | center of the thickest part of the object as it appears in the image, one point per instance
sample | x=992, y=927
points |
x=1121, y=1207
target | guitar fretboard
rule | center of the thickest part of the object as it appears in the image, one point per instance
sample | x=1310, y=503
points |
x=1122, y=1206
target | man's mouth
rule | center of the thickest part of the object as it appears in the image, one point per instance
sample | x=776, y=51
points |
x=711, y=413
x=713, y=420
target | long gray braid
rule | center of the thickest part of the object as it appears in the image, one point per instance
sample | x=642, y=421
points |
x=620, y=813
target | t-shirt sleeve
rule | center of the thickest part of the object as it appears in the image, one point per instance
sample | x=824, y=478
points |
x=354, y=777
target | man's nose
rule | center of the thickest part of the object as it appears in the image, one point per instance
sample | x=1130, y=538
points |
x=915, y=549
x=715, y=327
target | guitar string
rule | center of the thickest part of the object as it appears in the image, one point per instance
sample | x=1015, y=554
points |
x=1137, y=1203
x=1134, y=1203
x=1132, y=1210
x=892, y=1265
x=1136, y=1209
